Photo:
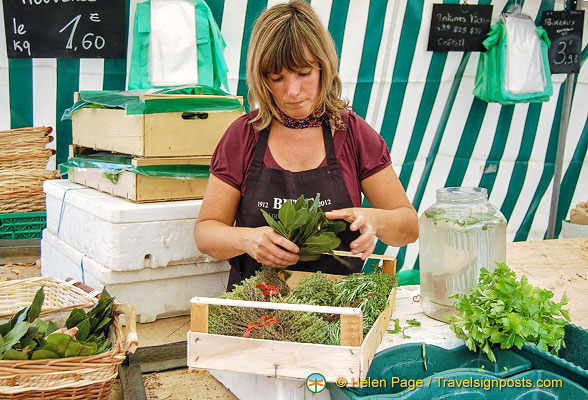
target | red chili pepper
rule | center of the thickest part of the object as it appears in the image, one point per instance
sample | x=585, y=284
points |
x=265, y=322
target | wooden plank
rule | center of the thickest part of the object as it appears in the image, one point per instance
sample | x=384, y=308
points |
x=131, y=382
x=559, y=265
x=160, y=358
x=389, y=267
x=140, y=188
x=150, y=188
x=168, y=134
x=199, y=317
x=372, y=340
x=93, y=177
x=108, y=129
x=276, y=306
x=351, y=330
x=342, y=253
x=271, y=358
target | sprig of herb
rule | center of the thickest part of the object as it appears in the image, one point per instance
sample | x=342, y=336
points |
x=503, y=311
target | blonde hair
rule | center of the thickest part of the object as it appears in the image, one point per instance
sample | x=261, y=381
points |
x=279, y=39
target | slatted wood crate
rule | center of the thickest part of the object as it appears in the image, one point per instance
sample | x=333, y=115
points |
x=281, y=359
x=142, y=188
x=161, y=134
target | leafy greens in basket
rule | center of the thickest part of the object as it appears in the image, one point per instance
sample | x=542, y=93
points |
x=25, y=336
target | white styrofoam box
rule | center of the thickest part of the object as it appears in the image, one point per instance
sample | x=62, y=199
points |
x=258, y=387
x=155, y=292
x=119, y=234
x=569, y=230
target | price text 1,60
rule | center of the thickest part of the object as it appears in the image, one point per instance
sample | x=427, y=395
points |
x=89, y=40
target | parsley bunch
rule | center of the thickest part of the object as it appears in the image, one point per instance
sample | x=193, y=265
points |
x=503, y=311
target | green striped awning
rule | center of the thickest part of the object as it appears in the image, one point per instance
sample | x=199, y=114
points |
x=421, y=102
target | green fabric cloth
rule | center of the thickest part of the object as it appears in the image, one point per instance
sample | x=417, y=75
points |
x=489, y=83
x=212, y=67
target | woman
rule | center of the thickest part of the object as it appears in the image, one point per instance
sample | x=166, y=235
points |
x=302, y=139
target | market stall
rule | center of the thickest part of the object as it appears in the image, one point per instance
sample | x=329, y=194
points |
x=139, y=93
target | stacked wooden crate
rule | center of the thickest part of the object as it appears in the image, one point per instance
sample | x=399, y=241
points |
x=181, y=138
x=134, y=234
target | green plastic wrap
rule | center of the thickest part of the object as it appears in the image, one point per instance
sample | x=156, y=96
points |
x=212, y=66
x=131, y=101
x=489, y=82
x=114, y=164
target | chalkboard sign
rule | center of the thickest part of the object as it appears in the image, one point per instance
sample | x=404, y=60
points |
x=564, y=29
x=459, y=27
x=65, y=28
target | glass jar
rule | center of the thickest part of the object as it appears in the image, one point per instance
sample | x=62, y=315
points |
x=459, y=235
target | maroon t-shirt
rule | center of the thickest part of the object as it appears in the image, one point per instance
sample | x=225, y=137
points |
x=360, y=150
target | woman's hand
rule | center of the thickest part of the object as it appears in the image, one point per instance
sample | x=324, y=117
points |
x=362, y=221
x=270, y=248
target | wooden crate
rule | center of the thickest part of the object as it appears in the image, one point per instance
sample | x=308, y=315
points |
x=140, y=188
x=152, y=135
x=287, y=359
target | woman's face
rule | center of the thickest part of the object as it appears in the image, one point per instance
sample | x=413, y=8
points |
x=296, y=93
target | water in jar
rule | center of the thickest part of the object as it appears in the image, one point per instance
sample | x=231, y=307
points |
x=452, y=251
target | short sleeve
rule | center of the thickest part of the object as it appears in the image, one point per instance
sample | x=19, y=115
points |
x=232, y=158
x=371, y=149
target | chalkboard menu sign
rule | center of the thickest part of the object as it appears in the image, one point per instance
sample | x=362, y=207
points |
x=65, y=28
x=459, y=27
x=564, y=29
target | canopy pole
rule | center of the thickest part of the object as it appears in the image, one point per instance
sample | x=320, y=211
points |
x=561, y=147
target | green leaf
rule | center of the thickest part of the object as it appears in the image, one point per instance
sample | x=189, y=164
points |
x=87, y=351
x=76, y=316
x=12, y=354
x=15, y=334
x=276, y=226
x=56, y=338
x=104, y=323
x=413, y=322
x=62, y=347
x=105, y=346
x=73, y=349
x=315, y=203
x=51, y=327
x=286, y=214
x=42, y=354
x=49, y=347
x=5, y=328
x=397, y=327
x=300, y=203
x=300, y=218
x=36, y=305
x=84, y=330
x=42, y=325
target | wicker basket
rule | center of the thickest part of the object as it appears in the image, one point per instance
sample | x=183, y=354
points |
x=32, y=203
x=23, y=162
x=86, y=377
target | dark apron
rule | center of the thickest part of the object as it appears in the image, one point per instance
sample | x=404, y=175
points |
x=268, y=188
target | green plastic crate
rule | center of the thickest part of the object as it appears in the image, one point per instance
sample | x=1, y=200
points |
x=22, y=225
x=501, y=381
